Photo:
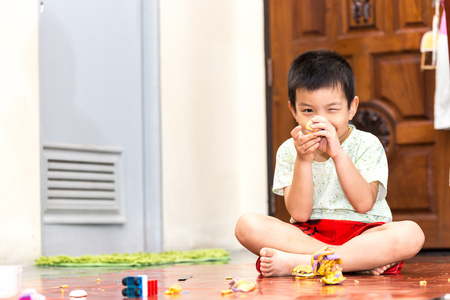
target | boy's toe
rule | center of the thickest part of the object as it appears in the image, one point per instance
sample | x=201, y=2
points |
x=266, y=252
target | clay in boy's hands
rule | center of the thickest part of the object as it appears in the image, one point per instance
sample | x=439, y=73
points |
x=309, y=129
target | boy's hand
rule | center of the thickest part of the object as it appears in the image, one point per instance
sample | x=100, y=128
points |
x=330, y=143
x=305, y=144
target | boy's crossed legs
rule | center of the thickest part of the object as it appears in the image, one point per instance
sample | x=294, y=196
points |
x=283, y=246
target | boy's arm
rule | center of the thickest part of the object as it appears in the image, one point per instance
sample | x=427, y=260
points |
x=299, y=196
x=360, y=193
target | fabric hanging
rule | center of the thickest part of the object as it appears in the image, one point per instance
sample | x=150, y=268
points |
x=442, y=93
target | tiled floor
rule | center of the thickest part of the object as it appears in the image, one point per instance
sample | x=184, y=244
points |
x=207, y=281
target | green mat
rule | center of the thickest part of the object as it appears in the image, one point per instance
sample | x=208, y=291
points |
x=137, y=259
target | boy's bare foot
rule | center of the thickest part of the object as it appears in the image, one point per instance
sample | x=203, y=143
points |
x=377, y=271
x=279, y=263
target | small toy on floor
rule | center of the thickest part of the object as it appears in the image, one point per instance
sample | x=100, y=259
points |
x=139, y=286
x=77, y=294
x=31, y=294
x=324, y=263
x=334, y=276
x=185, y=278
x=173, y=290
x=152, y=287
x=239, y=285
x=136, y=286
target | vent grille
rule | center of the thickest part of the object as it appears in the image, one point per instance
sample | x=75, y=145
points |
x=80, y=180
x=82, y=184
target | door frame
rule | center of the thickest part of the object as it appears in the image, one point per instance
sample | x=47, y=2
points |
x=152, y=193
x=268, y=68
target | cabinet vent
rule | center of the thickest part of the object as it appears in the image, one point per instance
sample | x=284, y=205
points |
x=82, y=184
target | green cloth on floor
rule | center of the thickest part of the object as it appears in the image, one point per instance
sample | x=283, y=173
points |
x=137, y=259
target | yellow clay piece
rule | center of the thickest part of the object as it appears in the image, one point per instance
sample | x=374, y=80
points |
x=324, y=263
x=174, y=289
x=226, y=292
x=303, y=271
x=240, y=285
x=309, y=129
x=308, y=125
x=245, y=286
x=334, y=276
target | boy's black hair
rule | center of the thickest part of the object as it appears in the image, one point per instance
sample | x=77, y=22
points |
x=317, y=69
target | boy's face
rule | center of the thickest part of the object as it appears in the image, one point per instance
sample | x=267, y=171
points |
x=328, y=103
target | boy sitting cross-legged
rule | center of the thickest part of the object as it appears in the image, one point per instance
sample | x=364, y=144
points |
x=333, y=179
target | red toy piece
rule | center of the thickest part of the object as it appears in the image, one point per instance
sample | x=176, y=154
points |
x=152, y=286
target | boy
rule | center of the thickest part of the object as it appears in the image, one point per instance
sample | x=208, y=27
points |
x=333, y=181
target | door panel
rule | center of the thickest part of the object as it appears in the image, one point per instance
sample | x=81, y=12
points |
x=93, y=96
x=381, y=40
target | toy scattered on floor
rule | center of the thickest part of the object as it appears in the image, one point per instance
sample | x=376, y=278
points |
x=31, y=294
x=152, y=287
x=77, y=294
x=185, y=278
x=324, y=263
x=335, y=276
x=239, y=285
x=309, y=129
x=136, y=286
x=133, y=280
x=226, y=292
x=303, y=271
x=323, y=260
x=173, y=290
x=139, y=286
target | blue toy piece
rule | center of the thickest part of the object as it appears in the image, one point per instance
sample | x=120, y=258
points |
x=132, y=292
x=132, y=280
x=136, y=286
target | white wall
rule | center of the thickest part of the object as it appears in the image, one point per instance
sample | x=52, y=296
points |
x=20, y=235
x=213, y=123
x=213, y=119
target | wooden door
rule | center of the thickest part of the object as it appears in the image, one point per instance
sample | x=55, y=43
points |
x=381, y=40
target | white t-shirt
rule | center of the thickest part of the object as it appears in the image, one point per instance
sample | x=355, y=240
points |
x=330, y=202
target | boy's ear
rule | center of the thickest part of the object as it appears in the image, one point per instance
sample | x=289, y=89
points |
x=291, y=108
x=353, y=108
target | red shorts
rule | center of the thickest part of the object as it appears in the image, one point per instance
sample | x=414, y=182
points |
x=334, y=232
x=337, y=232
